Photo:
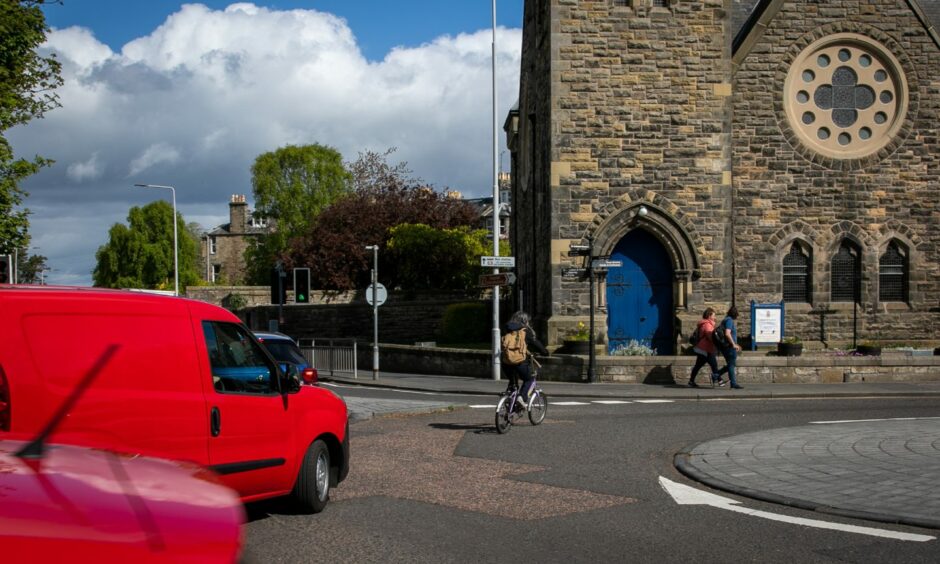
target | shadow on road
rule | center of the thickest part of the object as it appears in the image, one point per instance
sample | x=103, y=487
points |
x=476, y=428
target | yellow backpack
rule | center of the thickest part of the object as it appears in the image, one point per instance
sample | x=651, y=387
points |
x=515, y=349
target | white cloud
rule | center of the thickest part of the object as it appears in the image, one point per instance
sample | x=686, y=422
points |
x=193, y=103
x=85, y=170
x=156, y=154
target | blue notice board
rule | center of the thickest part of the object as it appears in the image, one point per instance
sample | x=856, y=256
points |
x=766, y=324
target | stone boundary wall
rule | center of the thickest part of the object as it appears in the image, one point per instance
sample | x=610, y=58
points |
x=664, y=370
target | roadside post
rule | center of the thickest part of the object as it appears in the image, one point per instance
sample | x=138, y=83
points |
x=375, y=295
x=496, y=280
x=596, y=265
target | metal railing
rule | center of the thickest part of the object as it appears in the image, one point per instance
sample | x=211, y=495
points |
x=331, y=355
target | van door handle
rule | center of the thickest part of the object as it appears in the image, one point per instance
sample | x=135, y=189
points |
x=215, y=421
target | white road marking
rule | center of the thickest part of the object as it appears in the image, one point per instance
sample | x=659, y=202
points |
x=483, y=406
x=654, y=401
x=871, y=420
x=687, y=495
x=569, y=403
x=610, y=402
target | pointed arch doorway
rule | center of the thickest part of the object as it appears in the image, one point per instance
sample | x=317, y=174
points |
x=640, y=293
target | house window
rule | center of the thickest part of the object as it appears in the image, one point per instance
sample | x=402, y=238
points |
x=660, y=3
x=623, y=3
x=797, y=279
x=259, y=222
x=893, y=274
x=846, y=273
x=211, y=245
x=216, y=272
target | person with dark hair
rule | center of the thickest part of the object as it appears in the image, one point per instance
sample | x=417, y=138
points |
x=704, y=348
x=518, y=328
x=730, y=353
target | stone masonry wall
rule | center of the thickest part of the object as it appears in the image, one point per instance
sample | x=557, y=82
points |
x=785, y=193
x=641, y=113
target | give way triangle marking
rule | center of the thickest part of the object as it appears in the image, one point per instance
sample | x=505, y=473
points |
x=687, y=495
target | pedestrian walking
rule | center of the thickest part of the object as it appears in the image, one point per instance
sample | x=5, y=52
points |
x=730, y=350
x=704, y=349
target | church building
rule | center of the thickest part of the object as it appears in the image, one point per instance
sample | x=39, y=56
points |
x=719, y=152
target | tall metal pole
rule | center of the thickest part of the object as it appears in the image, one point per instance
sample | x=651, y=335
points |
x=496, y=210
x=592, y=371
x=375, y=310
x=176, y=261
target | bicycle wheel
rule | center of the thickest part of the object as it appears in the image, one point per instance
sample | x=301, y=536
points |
x=503, y=415
x=538, y=407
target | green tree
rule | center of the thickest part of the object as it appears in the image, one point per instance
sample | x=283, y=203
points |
x=291, y=186
x=30, y=267
x=27, y=84
x=442, y=259
x=140, y=255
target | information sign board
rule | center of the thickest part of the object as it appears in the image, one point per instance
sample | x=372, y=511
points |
x=766, y=324
x=498, y=262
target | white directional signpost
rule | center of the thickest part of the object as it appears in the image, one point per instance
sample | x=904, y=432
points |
x=604, y=264
x=496, y=262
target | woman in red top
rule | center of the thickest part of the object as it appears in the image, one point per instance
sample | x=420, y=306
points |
x=705, y=349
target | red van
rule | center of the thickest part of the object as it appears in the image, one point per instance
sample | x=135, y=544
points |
x=188, y=382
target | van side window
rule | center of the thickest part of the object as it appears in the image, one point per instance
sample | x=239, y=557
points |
x=238, y=363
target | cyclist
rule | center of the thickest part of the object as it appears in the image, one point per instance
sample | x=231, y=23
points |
x=523, y=370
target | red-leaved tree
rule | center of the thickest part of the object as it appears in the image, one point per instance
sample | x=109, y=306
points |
x=334, y=247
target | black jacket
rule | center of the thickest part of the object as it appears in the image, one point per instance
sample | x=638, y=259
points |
x=531, y=341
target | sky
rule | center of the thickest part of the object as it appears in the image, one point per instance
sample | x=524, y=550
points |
x=188, y=95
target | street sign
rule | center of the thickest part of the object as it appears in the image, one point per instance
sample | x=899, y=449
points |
x=578, y=250
x=381, y=294
x=501, y=279
x=602, y=264
x=573, y=272
x=498, y=262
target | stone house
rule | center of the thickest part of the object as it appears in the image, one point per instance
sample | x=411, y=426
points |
x=222, y=249
x=728, y=151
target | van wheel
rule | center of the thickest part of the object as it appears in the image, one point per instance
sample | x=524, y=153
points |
x=312, y=490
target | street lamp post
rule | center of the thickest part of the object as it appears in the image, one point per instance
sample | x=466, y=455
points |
x=496, y=209
x=176, y=264
x=375, y=310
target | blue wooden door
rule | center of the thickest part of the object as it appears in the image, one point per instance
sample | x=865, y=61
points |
x=639, y=294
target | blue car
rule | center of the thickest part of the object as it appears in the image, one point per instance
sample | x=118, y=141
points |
x=286, y=352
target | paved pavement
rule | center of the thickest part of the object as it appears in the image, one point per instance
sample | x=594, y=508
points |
x=881, y=470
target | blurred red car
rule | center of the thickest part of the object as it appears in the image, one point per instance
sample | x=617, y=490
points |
x=91, y=505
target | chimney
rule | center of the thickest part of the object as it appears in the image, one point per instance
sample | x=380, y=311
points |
x=238, y=214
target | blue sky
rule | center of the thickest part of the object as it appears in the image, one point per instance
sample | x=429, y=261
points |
x=378, y=25
x=188, y=95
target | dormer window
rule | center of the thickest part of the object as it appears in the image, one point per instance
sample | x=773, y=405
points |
x=259, y=222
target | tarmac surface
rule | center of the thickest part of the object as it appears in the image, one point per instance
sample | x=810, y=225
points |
x=879, y=470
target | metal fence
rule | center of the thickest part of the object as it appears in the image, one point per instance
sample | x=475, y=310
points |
x=331, y=355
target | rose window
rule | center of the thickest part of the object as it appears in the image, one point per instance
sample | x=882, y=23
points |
x=845, y=96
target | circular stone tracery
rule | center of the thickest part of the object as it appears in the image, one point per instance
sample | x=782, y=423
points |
x=845, y=96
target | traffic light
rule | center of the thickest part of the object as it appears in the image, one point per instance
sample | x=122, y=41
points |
x=278, y=285
x=6, y=269
x=302, y=285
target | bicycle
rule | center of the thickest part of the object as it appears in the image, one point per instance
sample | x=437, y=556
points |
x=506, y=410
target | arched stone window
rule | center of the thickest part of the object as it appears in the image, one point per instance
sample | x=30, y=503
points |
x=797, y=274
x=846, y=273
x=893, y=274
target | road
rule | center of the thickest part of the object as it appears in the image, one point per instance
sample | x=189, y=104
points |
x=587, y=485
